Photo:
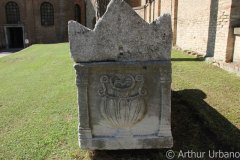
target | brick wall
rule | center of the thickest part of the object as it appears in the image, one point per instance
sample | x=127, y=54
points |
x=166, y=6
x=193, y=25
x=204, y=26
x=57, y=32
x=223, y=34
x=21, y=5
x=29, y=25
x=31, y=20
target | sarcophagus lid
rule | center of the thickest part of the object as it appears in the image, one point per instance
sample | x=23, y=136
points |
x=121, y=35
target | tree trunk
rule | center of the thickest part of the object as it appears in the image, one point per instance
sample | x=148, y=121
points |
x=101, y=7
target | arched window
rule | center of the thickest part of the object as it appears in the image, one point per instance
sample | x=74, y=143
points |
x=77, y=13
x=47, y=14
x=12, y=13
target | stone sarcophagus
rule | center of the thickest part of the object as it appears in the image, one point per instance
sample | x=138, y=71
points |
x=124, y=80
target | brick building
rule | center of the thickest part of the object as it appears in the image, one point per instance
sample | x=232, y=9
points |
x=25, y=22
x=208, y=27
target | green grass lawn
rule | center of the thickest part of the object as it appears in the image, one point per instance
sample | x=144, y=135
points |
x=38, y=107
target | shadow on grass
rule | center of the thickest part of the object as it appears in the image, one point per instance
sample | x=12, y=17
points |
x=187, y=59
x=195, y=125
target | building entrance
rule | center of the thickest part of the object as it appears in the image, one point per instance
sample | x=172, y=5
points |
x=14, y=37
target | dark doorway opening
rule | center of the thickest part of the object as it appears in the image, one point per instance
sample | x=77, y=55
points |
x=15, y=37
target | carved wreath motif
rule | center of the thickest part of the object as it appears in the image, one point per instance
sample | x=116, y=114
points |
x=122, y=102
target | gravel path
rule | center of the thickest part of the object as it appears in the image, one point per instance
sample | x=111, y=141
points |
x=4, y=53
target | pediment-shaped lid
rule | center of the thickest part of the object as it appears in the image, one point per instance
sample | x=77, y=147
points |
x=121, y=35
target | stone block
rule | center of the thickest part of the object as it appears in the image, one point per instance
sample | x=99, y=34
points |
x=237, y=30
x=124, y=105
x=124, y=80
x=121, y=35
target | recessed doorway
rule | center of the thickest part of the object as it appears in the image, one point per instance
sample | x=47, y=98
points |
x=14, y=37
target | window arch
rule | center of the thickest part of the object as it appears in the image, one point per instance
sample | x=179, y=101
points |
x=12, y=13
x=77, y=13
x=47, y=14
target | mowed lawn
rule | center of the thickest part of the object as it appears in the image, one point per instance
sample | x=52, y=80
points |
x=38, y=105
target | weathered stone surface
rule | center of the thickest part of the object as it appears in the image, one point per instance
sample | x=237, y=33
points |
x=121, y=35
x=124, y=103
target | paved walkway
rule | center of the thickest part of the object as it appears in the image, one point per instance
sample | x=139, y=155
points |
x=7, y=52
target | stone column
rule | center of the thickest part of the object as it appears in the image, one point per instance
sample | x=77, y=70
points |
x=82, y=81
x=165, y=92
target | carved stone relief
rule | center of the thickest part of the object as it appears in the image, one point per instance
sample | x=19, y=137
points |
x=122, y=102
